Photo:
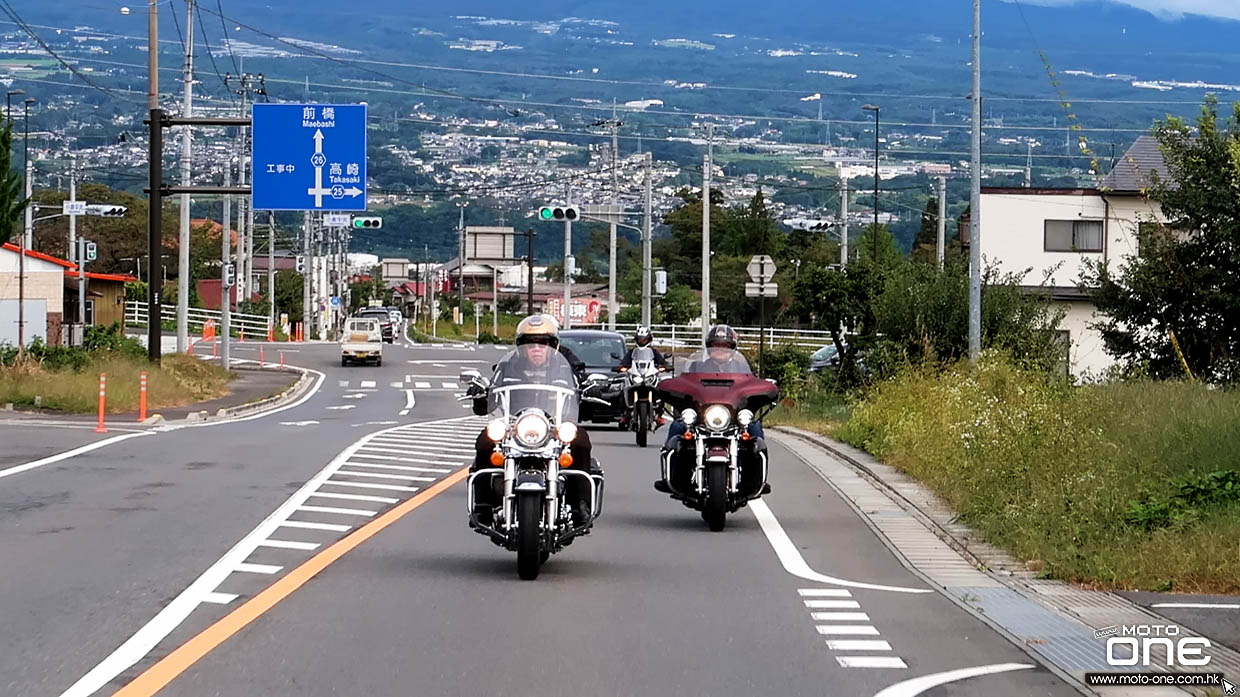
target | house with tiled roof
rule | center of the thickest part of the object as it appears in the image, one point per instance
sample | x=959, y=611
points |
x=50, y=297
x=1055, y=233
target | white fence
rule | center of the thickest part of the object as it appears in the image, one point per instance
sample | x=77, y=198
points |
x=688, y=336
x=136, y=313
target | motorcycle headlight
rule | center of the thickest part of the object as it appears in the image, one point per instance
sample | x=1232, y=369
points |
x=532, y=429
x=497, y=429
x=637, y=378
x=688, y=416
x=567, y=432
x=744, y=417
x=717, y=416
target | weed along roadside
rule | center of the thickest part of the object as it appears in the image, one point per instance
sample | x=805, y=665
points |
x=1127, y=485
x=67, y=379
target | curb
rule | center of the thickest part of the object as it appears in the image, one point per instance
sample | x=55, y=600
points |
x=288, y=394
x=852, y=458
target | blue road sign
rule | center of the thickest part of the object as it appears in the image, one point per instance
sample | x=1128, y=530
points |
x=309, y=157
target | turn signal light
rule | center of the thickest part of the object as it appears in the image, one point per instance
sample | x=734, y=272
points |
x=497, y=459
x=688, y=435
x=746, y=436
x=566, y=460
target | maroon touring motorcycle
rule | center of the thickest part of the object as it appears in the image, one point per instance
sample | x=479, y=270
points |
x=716, y=465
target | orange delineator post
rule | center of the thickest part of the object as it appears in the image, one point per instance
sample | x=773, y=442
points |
x=281, y=359
x=142, y=396
x=215, y=349
x=271, y=333
x=103, y=391
x=242, y=334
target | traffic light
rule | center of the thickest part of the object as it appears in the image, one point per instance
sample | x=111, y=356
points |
x=547, y=213
x=230, y=275
x=92, y=252
x=660, y=282
x=370, y=223
x=301, y=263
x=105, y=210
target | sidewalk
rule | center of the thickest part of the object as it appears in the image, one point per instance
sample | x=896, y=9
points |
x=1051, y=620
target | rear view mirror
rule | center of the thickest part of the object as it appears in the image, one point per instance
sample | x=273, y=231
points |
x=596, y=377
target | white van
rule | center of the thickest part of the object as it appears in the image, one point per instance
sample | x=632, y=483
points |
x=363, y=341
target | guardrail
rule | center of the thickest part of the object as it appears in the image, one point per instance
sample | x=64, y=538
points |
x=137, y=314
x=689, y=336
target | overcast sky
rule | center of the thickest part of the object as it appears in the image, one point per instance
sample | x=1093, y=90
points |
x=1170, y=9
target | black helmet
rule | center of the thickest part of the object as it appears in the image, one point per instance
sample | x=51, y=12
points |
x=721, y=335
x=643, y=336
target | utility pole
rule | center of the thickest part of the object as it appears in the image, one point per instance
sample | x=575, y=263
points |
x=271, y=268
x=305, y=278
x=495, y=301
x=568, y=264
x=707, y=165
x=27, y=236
x=529, y=272
x=460, y=262
x=81, y=256
x=975, y=197
x=843, y=222
x=646, y=243
x=1029, y=164
x=613, y=306
x=226, y=258
x=156, y=176
x=73, y=217
x=942, y=222
x=184, y=237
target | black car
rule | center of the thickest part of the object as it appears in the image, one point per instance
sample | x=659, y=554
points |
x=386, y=325
x=601, y=352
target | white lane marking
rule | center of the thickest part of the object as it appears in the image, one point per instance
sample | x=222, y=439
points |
x=436, y=439
x=438, y=365
x=410, y=451
x=795, y=564
x=858, y=645
x=368, y=383
x=916, y=686
x=379, y=475
x=410, y=401
x=333, y=509
x=257, y=568
x=304, y=525
x=354, y=395
x=404, y=412
x=53, y=459
x=219, y=598
x=824, y=593
x=354, y=497
x=1211, y=606
x=397, y=385
x=342, y=407
x=344, y=383
x=833, y=604
x=451, y=386
x=847, y=630
x=364, y=485
x=871, y=662
x=839, y=616
x=404, y=468
x=422, y=461
x=287, y=544
x=298, y=423
x=422, y=385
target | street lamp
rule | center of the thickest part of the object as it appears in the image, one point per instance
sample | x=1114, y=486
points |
x=460, y=262
x=873, y=108
x=8, y=103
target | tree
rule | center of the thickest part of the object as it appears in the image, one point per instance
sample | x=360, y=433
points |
x=1174, y=307
x=680, y=305
x=750, y=229
x=925, y=245
x=877, y=245
x=289, y=294
x=12, y=200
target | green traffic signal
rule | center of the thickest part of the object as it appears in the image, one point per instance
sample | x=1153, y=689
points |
x=545, y=213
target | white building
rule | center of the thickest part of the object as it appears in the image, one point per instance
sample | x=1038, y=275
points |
x=1052, y=234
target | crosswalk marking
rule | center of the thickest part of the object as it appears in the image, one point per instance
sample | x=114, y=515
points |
x=871, y=662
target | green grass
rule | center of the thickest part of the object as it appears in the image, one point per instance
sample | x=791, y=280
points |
x=1128, y=486
x=179, y=380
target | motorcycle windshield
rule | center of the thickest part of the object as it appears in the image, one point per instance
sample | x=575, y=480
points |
x=534, y=376
x=718, y=360
x=643, y=360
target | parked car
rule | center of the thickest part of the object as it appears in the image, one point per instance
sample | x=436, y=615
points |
x=825, y=357
x=362, y=342
x=601, y=352
x=387, y=326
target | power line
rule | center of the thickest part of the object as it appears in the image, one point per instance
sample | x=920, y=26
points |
x=177, y=23
x=227, y=41
x=202, y=27
x=8, y=10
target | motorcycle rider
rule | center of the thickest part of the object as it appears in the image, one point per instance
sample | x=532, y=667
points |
x=641, y=338
x=537, y=338
x=720, y=348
